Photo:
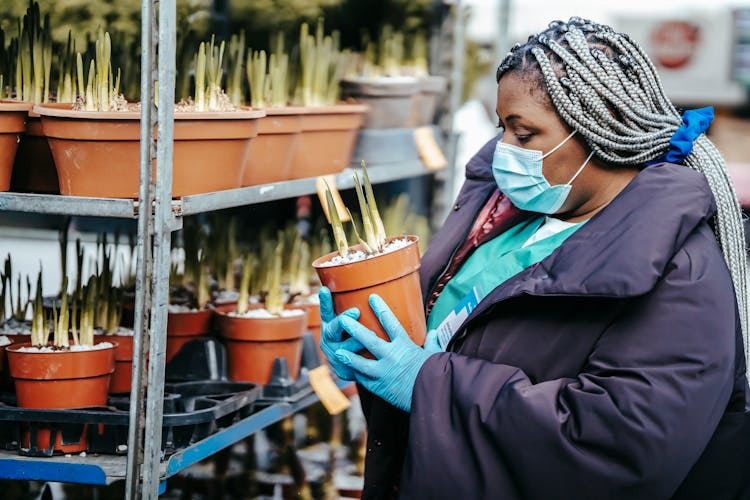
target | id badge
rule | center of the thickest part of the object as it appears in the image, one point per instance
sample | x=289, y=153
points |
x=450, y=325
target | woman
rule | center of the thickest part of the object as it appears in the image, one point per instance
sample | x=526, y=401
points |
x=604, y=358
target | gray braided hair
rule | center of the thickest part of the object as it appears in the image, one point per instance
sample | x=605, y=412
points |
x=604, y=86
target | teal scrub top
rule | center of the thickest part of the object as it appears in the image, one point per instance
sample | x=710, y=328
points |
x=495, y=261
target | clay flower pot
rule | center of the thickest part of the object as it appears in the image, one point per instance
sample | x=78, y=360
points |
x=393, y=275
x=391, y=99
x=13, y=116
x=34, y=169
x=313, y=321
x=60, y=380
x=327, y=141
x=97, y=153
x=431, y=90
x=271, y=152
x=253, y=344
x=123, y=374
x=184, y=326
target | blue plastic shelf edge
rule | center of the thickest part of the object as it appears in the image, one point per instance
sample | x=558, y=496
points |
x=39, y=470
x=227, y=437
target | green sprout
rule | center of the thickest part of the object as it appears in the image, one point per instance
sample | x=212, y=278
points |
x=235, y=60
x=33, y=57
x=274, y=298
x=99, y=91
x=322, y=66
x=61, y=321
x=248, y=263
x=339, y=235
x=209, y=95
x=39, y=330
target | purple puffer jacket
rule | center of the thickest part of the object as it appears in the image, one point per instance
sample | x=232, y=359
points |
x=613, y=369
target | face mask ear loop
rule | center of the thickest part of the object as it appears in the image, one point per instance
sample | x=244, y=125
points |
x=559, y=145
x=581, y=169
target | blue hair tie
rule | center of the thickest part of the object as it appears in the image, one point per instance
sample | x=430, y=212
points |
x=694, y=123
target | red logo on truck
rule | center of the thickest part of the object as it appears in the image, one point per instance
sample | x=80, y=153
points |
x=673, y=43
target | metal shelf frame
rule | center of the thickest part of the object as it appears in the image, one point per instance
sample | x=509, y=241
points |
x=106, y=469
x=195, y=204
x=143, y=469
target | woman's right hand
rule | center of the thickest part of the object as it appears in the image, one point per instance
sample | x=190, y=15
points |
x=332, y=331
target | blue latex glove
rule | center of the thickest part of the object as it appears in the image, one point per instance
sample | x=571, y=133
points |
x=393, y=375
x=331, y=333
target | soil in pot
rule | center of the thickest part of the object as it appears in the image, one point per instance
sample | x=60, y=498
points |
x=185, y=324
x=51, y=378
x=97, y=153
x=326, y=143
x=394, y=275
x=271, y=152
x=391, y=99
x=123, y=374
x=34, y=169
x=13, y=116
x=255, y=339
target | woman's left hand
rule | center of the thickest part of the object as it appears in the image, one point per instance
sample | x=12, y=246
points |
x=393, y=374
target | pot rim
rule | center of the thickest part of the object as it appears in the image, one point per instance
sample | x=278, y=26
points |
x=317, y=263
x=284, y=110
x=17, y=345
x=63, y=110
x=261, y=333
x=11, y=105
x=341, y=108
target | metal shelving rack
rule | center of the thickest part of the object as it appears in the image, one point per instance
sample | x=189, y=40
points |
x=143, y=469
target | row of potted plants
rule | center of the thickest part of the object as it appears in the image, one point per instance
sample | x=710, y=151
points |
x=294, y=126
x=259, y=301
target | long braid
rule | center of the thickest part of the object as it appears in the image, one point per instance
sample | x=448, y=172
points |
x=604, y=86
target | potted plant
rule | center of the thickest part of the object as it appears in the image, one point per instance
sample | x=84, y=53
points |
x=431, y=87
x=329, y=128
x=13, y=116
x=61, y=375
x=379, y=265
x=381, y=84
x=95, y=142
x=31, y=57
x=189, y=314
x=270, y=158
x=108, y=310
x=256, y=336
x=16, y=328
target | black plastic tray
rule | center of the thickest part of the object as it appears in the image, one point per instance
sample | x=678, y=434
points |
x=192, y=411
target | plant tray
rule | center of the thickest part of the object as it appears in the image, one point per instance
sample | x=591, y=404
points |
x=192, y=411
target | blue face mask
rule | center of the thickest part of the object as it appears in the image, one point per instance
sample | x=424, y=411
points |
x=518, y=173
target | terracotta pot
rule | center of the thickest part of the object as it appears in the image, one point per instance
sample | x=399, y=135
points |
x=13, y=116
x=182, y=327
x=34, y=169
x=97, y=153
x=60, y=380
x=313, y=323
x=327, y=141
x=391, y=99
x=123, y=374
x=253, y=344
x=271, y=152
x=431, y=90
x=394, y=276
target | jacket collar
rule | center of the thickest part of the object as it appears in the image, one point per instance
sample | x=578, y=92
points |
x=624, y=249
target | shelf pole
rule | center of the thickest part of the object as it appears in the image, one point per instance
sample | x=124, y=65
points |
x=144, y=262
x=161, y=259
